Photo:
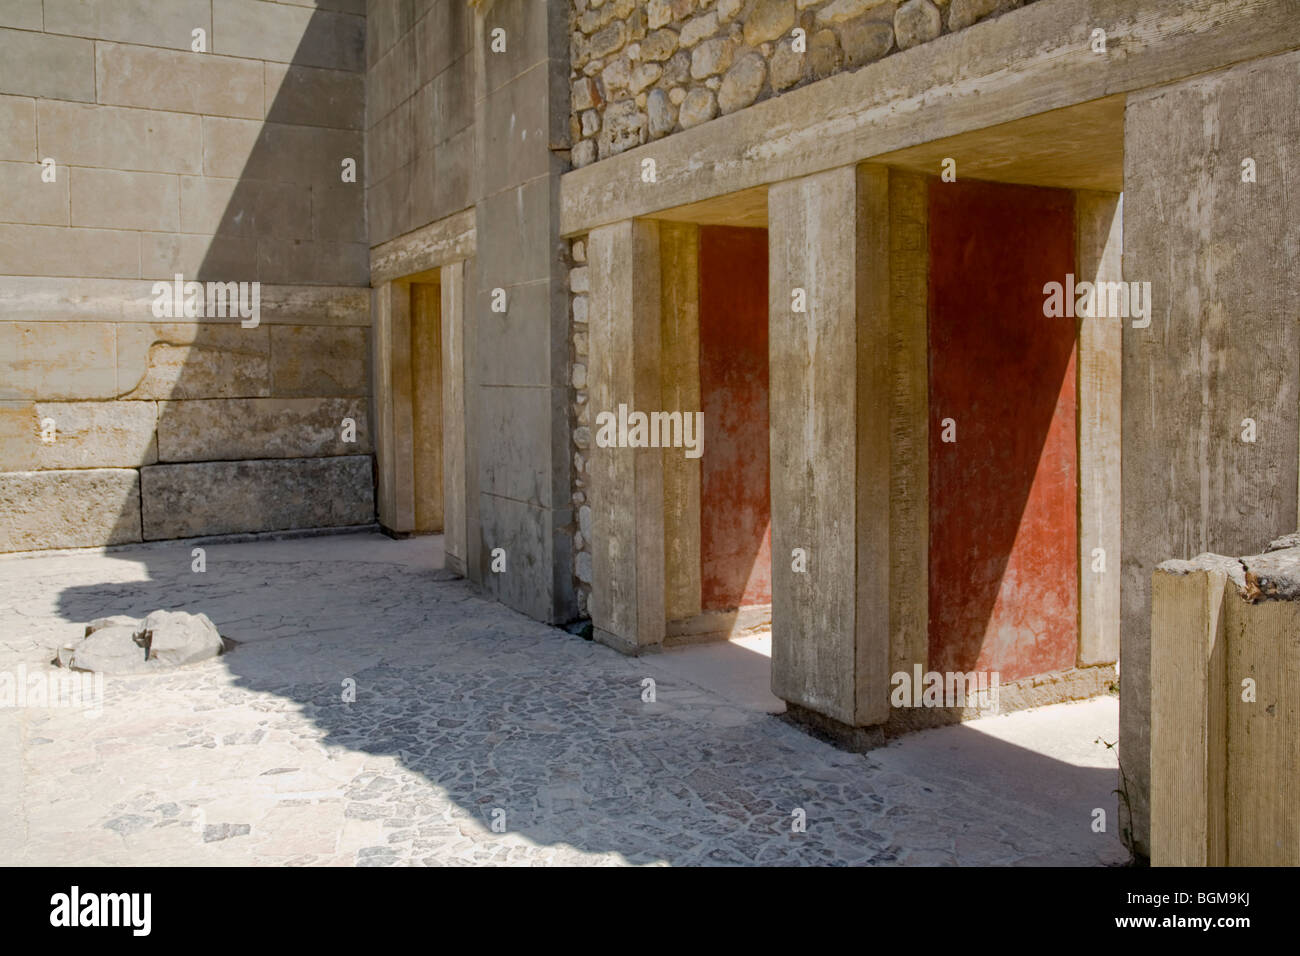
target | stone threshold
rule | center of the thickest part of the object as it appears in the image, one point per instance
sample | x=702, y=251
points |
x=1040, y=690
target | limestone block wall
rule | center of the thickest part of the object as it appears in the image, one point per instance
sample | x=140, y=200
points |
x=209, y=139
x=641, y=71
x=419, y=113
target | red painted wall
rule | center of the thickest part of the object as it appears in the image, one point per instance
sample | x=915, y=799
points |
x=735, y=487
x=1004, y=497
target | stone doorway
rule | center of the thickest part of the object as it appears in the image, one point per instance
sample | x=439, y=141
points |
x=419, y=399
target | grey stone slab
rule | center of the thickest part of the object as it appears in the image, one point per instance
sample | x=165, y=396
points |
x=318, y=361
x=83, y=435
x=18, y=129
x=130, y=21
x=152, y=78
x=315, y=97
x=244, y=428
x=23, y=14
x=69, y=509
x=120, y=137
x=188, y=500
x=37, y=64
x=288, y=34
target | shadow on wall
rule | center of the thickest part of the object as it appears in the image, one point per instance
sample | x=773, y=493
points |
x=489, y=709
x=1004, y=489
x=263, y=415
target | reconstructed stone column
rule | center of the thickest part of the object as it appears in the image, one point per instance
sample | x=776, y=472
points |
x=1217, y=238
x=841, y=385
x=1099, y=250
x=455, y=529
x=391, y=340
x=627, y=496
x=679, y=323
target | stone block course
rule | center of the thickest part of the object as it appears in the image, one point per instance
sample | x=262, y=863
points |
x=83, y=134
x=86, y=435
x=247, y=428
x=230, y=497
x=129, y=21
x=69, y=509
x=38, y=64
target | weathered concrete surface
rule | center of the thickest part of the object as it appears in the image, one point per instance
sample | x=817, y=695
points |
x=679, y=336
x=420, y=114
x=447, y=240
x=1099, y=250
x=909, y=419
x=86, y=435
x=69, y=509
x=520, y=428
x=1221, y=256
x=1225, y=673
x=426, y=405
x=391, y=373
x=1188, y=718
x=455, y=526
x=222, y=497
x=253, y=758
x=239, y=428
x=179, y=361
x=57, y=361
x=318, y=361
x=814, y=396
x=627, y=491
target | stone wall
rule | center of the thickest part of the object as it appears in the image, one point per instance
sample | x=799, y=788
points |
x=206, y=138
x=642, y=71
x=419, y=113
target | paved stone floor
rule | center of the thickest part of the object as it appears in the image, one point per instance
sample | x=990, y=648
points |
x=465, y=712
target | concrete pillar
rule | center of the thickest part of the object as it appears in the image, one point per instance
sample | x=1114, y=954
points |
x=909, y=416
x=831, y=386
x=627, y=490
x=1099, y=253
x=679, y=324
x=452, y=283
x=1188, y=719
x=426, y=406
x=1223, y=344
x=394, y=450
x=522, y=423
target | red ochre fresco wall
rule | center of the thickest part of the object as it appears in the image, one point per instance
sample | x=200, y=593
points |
x=1003, y=498
x=735, y=486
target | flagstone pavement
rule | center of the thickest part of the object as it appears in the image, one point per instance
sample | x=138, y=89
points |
x=470, y=719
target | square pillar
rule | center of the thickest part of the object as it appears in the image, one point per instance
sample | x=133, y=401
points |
x=627, y=484
x=394, y=447
x=1099, y=237
x=679, y=325
x=455, y=527
x=844, y=483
